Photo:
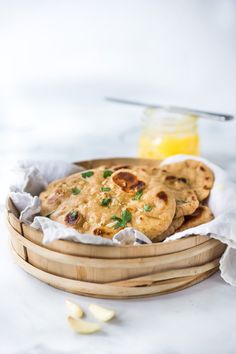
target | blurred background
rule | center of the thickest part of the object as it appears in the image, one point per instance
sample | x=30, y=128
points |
x=59, y=59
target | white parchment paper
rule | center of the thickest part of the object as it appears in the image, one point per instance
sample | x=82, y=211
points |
x=32, y=177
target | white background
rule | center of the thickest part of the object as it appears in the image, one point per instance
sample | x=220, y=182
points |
x=58, y=60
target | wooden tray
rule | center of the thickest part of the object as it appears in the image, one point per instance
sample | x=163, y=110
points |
x=115, y=272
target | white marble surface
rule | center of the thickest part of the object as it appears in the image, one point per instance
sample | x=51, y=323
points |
x=58, y=60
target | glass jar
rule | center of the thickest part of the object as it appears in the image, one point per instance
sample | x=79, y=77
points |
x=165, y=133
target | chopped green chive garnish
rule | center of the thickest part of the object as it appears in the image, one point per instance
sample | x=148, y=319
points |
x=126, y=216
x=74, y=214
x=106, y=202
x=75, y=191
x=138, y=195
x=87, y=174
x=147, y=207
x=123, y=221
x=105, y=189
x=114, y=217
x=107, y=173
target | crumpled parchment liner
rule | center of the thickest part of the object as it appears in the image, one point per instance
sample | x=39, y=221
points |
x=32, y=177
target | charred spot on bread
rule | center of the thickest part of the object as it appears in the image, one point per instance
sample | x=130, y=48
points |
x=102, y=231
x=170, y=178
x=182, y=179
x=163, y=196
x=128, y=182
x=138, y=186
x=73, y=217
x=98, y=231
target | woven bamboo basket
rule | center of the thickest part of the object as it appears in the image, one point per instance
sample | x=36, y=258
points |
x=115, y=272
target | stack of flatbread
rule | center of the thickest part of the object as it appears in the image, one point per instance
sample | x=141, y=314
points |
x=157, y=201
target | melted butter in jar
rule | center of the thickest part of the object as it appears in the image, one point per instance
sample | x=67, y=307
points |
x=166, y=133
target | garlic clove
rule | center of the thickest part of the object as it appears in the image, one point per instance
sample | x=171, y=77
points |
x=83, y=327
x=74, y=309
x=101, y=313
